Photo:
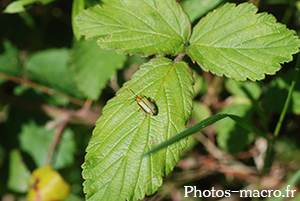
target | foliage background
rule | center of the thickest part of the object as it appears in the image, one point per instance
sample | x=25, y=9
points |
x=39, y=46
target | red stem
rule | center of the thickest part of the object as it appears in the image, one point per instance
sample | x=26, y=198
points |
x=63, y=124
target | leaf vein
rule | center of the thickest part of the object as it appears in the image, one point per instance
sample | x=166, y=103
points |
x=236, y=64
x=137, y=17
x=164, y=20
x=213, y=29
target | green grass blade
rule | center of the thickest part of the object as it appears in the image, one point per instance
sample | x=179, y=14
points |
x=202, y=124
x=288, y=100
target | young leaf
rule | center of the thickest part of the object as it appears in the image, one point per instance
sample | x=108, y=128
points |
x=230, y=133
x=77, y=7
x=19, y=6
x=145, y=27
x=9, y=59
x=200, y=111
x=114, y=168
x=243, y=89
x=278, y=90
x=39, y=96
x=236, y=42
x=93, y=67
x=18, y=173
x=50, y=68
x=36, y=140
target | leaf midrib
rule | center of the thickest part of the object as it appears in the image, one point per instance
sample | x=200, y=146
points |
x=153, y=32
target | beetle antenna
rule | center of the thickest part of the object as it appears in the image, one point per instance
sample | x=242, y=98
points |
x=130, y=98
x=132, y=92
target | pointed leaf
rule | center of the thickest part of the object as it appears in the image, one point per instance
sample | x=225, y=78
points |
x=19, y=174
x=200, y=111
x=54, y=62
x=38, y=96
x=19, y=6
x=36, y=140
x=114, y=168
x=9, y=59
x=229, y=132
x=146, y=27
x=278, y=90
x=93, y=67
x=240, y=89
x=236, y=42
x=77, y=7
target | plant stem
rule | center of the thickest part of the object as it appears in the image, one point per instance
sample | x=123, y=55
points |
x=288, y=100
x=179, y=57
x=42, y=88
x=176, y=60
x=82, y=116
x=56, y=138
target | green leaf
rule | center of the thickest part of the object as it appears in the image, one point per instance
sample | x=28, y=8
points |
x=200, y=84
x=200, y=111
x=287, y=149
x=145, y=27
x=197, y=8
x=278, y=90
x=91, y=3
x=9, y=59
x=231, y=136
x=114, y=168
x=36, y=140
x=244, y=89
x=236, y=42
x=77, y=7
x=18, y=179
x=93, y=67
x=247, y=93
x=135, y=60
x=19, y=6
x=202, y=124
x=39, y=96
x=50, y=68
x=65, y=150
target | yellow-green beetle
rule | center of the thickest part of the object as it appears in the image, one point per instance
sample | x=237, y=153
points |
x=146, y=104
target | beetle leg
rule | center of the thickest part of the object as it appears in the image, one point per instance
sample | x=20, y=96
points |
x=137, y=109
